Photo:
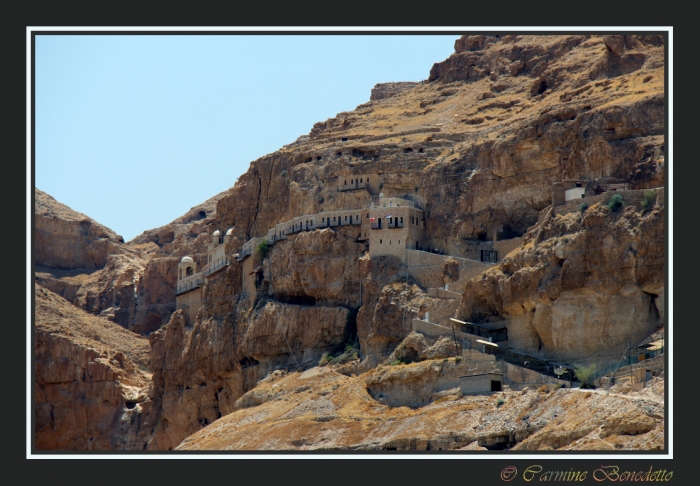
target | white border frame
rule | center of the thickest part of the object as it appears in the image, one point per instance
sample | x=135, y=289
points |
x=668, y=290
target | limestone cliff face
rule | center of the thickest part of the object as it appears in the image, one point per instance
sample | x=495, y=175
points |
x=479, y=145
x=132, y=284
x=584, y=286
x=200, y=371
x=91, y=380
x=67, y=239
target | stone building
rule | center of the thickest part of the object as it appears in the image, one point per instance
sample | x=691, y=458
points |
x=188, y=292
x=570, y=190
x=395, y=225
x=349, y=182
x=481, y=383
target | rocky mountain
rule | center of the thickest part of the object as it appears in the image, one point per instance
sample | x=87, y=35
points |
x=91, y=380
x=478, y=145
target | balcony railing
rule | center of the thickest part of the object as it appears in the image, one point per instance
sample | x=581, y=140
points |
x=390, y=225
x=217, y=265
x=189, y=285
x=246, y=252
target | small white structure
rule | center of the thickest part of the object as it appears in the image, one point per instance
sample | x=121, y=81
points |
x=186, y=268
x=574, y=193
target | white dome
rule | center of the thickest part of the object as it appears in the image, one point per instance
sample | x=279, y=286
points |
x=216, y=233
x=186, y=259
x=229, y=232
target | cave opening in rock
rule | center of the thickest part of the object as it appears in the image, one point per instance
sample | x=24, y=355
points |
x=248, y=361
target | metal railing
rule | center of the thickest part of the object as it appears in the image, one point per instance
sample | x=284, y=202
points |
x=395, y=225
x=496, y=335
x=628, y=360
x=217, y=265
x=187, y=286
x=244, y=254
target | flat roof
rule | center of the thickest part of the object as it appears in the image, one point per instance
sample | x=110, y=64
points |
x=482, y=374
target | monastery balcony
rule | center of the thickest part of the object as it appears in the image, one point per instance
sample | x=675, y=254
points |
x=215, y=267
x=190, y=283
x=392, y=225
x=246, y=252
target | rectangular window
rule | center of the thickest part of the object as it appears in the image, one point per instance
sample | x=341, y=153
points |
x=380, y=242
x=323, y=220
x=345, y=183
x=401, y=219
x=346, y=218
x=367, y=215
x=333, y=218
x=399, y=242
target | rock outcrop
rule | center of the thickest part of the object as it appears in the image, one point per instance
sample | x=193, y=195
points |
x=584, y=287
x=321, y=409
x=66, y=239
x=91, y=380
x=382, y=91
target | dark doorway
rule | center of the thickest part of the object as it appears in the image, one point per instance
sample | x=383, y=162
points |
x=495, y=385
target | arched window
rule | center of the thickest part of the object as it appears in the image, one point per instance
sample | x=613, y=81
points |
x=188, y=272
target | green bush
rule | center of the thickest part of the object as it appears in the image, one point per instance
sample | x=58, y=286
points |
x=585, y=374
x=582, y=208
x=458, y=358
x=615, y=203
x=325, y=359
x=500, y=402
x=263, y=249
x=283, y=174
x=648, y=201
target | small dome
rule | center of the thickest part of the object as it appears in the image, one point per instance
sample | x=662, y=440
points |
x=229, y=232
x=186, y=259
x=216, y=233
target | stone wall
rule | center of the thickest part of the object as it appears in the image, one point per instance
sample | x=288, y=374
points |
x=518, y=377
x=503, y=247
x=443, y=294
x=427, y=268
x=479, y=383
x=190, y=303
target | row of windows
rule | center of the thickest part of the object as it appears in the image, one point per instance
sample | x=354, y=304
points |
x=380, y=242
x=357, y=218
x=352, y=181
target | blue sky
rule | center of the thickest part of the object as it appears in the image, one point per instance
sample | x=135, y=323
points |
x=135, y=130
